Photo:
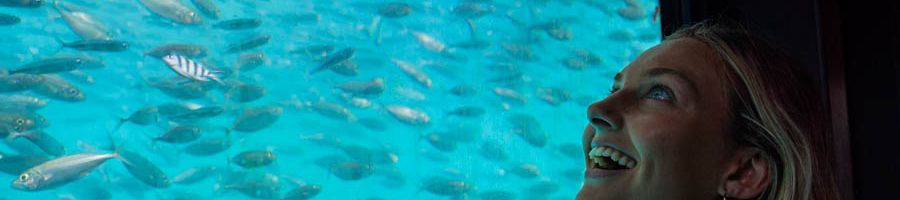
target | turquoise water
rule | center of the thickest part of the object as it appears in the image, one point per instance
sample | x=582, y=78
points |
x=524, y=87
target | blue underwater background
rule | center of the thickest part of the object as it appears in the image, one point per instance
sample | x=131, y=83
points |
x=504, y=83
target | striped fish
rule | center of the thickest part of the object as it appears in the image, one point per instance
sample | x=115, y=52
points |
x=190, y=69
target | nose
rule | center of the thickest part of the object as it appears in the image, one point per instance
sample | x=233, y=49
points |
x=604, y=115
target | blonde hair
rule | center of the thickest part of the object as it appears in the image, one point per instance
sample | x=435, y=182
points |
x=773, y=109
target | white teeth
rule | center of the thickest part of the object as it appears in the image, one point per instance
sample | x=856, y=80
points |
x=616, y=156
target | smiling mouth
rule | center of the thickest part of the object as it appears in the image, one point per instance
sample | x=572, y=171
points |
x=608, y=158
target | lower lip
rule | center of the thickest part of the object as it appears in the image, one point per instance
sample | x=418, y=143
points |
x=601, y=173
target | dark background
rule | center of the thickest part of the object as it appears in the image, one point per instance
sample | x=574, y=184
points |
x=852, y=50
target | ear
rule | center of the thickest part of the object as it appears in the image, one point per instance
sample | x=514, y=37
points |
x=747, y=175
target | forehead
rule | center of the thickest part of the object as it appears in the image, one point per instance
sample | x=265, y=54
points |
x=687, y=56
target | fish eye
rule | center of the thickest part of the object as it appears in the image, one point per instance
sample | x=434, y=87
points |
x=20, y=121
x=71, y=91
x=23, y=177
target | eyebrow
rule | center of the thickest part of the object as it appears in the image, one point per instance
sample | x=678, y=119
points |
x=663, y=71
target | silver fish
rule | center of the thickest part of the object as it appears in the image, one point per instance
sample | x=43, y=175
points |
x=372, y=87
x=335, y=59
x=7, y=19
x=173, y=10
x=57, y=64
x=143, y=169
x=408, y=115
x=248, y=43
x=194, y=175
x=42, y=140
x=19, y=82
x=257, y=118
x=334, y=111
x=189, y=50
x=238, y=24
x=413, y=72
x=208, y=7
x=60, y=171
x=82, y=23
x=22, y=101
x=22, y=3
x=190, y=69
x=250, y=61
x=57, y=88
x=395, y=10
x=107, y=45
x=16, y=164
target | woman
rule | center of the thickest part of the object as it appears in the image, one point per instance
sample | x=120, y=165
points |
x=710, y=113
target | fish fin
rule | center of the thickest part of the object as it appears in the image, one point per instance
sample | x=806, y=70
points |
x=62, y=43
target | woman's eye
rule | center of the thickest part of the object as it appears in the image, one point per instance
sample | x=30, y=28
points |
x=660, y=93
x=613, y=89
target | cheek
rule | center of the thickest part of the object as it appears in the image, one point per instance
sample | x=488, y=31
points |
x=678, y=153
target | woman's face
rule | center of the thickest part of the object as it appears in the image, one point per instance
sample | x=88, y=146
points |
x=664, y=126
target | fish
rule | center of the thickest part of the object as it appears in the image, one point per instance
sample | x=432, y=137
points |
x=82, y=23
x=143, y=169
x=145, y=116
x=173, y=10
x=194, y=175
x=8, y=20
x=16, y=164
x=346, y=68
x=250, y=61
x=493, y=151
x=182, y=88
x=371, y=88
x=315, y=50
x=543, y=188
x=22, y=3
x=429, y=42
x=472, y=10
x=264, y=186
x=496, y=195
x=207, y=7
x=14, y=122
x=463, y=90
x=80, y=76
x=198, y=113
x=208, y=147
x=58, y=64
x=42, y=140
x=334, y=59
x=60, y=171
x=334, y=111
x=394, y=10
x=253, y=159
x=446, y=186
x=519, y=51
x=257, y=118
x=190, y=69
x=248, y=43
x=187, y=50
x=244, y=93
x=553, y=95
x=439, y=142
x=510, y=94
x=238, y=24
x=529, y=128
x=181, y=134
x=57, y=88
x=106, y=45
x=350, y=170
x=369, y=155
x=417, y=74
x=467, y=111
x=303, y=192
x=634, y=11
x=526, y=170
x=22, y=101
x=408, y=115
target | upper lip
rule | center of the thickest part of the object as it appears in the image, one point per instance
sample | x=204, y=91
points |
x=612, y=146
